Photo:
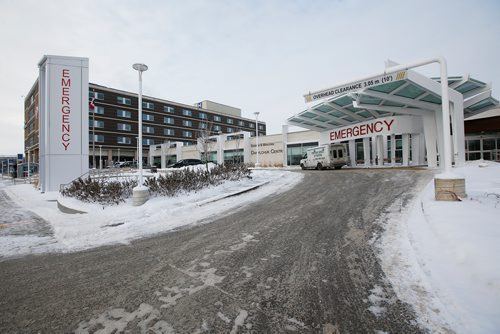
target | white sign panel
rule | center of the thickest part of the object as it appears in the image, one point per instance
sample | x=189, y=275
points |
x=356, y=85
x=63, y=98
x=379, y=126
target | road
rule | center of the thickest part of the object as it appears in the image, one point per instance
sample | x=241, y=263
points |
x=297, y=262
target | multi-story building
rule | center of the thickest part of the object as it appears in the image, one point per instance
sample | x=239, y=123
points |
x=113, y=124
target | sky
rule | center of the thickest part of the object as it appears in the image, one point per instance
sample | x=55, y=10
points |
x=260, y=56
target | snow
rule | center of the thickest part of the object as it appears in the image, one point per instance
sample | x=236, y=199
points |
x=123, y=223
x=442, y=256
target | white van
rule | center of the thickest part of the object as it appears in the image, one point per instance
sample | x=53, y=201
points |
x=325, y=156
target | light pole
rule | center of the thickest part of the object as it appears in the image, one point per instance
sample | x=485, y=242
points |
x=118, y=155
x=100, y=156
x=140, y=193
x=29, y=174
x=137, y=150
x=257, y=164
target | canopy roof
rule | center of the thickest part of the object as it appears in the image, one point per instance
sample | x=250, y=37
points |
x=415, y=95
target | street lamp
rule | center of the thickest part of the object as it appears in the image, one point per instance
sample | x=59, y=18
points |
x=118, y=155
x=257, y=164
x=140, y=193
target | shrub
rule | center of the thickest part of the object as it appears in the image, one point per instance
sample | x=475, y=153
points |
x=107, y=192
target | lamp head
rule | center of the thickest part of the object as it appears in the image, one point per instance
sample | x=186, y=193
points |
x=140, y=67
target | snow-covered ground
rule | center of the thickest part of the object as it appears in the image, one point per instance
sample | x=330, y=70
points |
x=442, y=257
x=123, y=223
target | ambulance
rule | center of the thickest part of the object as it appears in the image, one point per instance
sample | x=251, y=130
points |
x=325, y=156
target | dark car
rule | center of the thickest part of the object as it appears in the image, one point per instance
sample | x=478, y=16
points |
x=185, y=162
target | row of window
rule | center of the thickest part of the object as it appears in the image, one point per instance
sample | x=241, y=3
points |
x=145, y=141
x=168, y=109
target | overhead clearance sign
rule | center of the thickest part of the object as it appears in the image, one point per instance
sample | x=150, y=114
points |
x=372, y=81
x=379, y=126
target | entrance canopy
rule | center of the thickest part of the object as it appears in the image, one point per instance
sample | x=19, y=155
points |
x=414, y=95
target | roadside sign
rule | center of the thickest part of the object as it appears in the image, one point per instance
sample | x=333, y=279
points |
x=353, y=86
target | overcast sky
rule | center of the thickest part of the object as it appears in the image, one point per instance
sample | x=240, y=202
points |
x=255, y=55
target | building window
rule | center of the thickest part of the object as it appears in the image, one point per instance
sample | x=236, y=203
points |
x=168, y=132
x=187, y=123
x=230, y=130
x=96, y=95
x=148, y=129
x=123, y=113
x=203, y=125
x=295, y=152
x=168, y=120
x=216, y=127
x=97, y=138
x=148, y=105
x=124, y=127
x=252, y=125
x=217, y=118
x=241, y=123
x=187, y=134
x=98, y=110
x=229, y=121
x=168, y=109
x=98, y=124
x=186, y=112
x=261, y=127
x=148, y=141
x=148, y=117
x=202, y=115
x=123, y=100
x=123, y=140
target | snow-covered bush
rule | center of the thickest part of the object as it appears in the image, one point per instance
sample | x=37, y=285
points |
x=107, y=192
x=102, y=191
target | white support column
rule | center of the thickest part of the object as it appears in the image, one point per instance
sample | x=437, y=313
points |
x=380, y=150
x=284, y=131
x=406, y=149
x=247, y=147
x=220, y=149
x=440, y=141
x=384, y=142
x=374, y=150
x=457, y=116
x=163, y=156
x=393, y=150
x=352, y=152
x=415, y=149
x=430, y=139
x=366, y=151
x=421, y=140
x=178, y=150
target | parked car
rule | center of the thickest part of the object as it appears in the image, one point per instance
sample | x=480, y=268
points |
x=122, y=164
x=185, y=162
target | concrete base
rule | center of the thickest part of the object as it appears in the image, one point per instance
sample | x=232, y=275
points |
x=449, y=189
x=140, y=195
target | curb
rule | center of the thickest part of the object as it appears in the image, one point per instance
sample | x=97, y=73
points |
x=66, y=209
x=236, y=193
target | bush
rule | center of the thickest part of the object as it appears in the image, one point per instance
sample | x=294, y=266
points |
x=106, y=192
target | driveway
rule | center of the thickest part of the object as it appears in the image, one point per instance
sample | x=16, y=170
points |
x=297, y=262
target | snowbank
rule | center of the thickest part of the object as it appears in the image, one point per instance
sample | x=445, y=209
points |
x=442, y=257
x=123, y=223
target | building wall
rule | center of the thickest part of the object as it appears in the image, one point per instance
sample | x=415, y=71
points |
x=110, y=127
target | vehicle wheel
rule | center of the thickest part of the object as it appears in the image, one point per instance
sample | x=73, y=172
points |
x=302, y=166
x=319, y=167
x=338, y=167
